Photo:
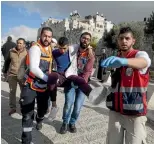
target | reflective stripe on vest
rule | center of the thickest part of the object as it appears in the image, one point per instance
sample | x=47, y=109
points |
x=133, y=106
x=131, y=89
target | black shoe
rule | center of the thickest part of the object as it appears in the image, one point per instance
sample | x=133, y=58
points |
x=72, y=128
x=39, y=126
x=63, y=129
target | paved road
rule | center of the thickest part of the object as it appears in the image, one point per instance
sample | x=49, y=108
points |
x=91, y=126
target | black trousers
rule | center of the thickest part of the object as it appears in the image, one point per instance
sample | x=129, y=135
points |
x=27, y=102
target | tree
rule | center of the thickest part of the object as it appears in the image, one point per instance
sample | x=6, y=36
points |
x=149, y=29
x=94, y=42
x=138, y=28
x=153, y=46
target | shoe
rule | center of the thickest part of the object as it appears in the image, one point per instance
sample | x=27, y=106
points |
x=53, y=113
x=39, y=126
x=12, y=111
x=47, y=114
x=63, y=128
x=72, y=128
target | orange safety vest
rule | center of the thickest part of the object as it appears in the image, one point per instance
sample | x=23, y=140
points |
x=45, y=65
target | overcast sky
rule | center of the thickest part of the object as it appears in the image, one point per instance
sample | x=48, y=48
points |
x=30, y=15
x=114, y=11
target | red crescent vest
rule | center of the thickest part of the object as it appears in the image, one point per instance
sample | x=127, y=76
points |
x=130, y=95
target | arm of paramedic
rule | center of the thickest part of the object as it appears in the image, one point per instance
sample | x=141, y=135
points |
x=140, y=61
x=34, y=58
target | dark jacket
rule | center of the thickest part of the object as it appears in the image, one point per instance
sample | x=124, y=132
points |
x=6, y=47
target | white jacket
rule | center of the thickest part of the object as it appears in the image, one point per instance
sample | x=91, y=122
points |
x=72, y=69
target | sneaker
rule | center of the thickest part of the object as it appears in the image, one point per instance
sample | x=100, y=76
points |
x=72, y=128
x=39, y=126
x=47, y=114
x=12, y=111
x=53, y=113
x=63, y=128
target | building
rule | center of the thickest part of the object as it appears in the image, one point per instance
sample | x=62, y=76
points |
x=75, y=25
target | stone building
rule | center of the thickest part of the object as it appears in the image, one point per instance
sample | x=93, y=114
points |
x=75, y=25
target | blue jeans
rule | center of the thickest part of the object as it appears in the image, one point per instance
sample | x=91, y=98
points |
x=72, y=97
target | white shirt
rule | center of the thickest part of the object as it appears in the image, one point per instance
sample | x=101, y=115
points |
x=34, y=58
x=143, y=54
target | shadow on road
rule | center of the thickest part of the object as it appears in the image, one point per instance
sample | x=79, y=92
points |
x=56, y=124
x=11, y=127
x=98, y=110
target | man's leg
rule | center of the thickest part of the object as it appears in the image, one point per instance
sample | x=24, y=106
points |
x=115, y=133
x=12, y=80
x=54, y=109
x=42, y=106
x=27, y=102
x=135, y=129
x=79, y=100
x=69, y=101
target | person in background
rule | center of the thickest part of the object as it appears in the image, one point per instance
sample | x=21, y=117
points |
x=102, y=71
x=15, y=59
x=7, y=46
x=32, y=43
x=53, y=43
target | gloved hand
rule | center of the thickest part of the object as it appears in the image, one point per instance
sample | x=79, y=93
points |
x=114, y=62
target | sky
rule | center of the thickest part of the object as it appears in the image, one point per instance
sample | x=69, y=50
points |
x=23, y=19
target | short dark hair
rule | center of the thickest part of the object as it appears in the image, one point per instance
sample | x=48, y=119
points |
x=63, y=41
x=47, y=29
x=22, y=40
x=126, y=30
x=9, y=38
x=85, y=33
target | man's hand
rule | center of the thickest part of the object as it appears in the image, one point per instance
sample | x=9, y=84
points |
x=114, y=62
x=90, y=52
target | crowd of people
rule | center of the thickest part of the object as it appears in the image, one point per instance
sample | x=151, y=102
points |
x=42, y=66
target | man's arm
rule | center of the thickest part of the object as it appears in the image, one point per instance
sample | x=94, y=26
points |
x=88, y=69
x=140, y=61
x=7, y=64
x=34, y=58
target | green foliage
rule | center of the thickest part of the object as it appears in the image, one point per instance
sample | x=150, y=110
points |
x=153, y=46
x=110, y=38
x=151, y=74
x=150, y=24
x=94, y=42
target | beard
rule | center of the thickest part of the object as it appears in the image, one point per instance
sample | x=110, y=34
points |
x=127, y=48
x=43, y=43
x=84, y=45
